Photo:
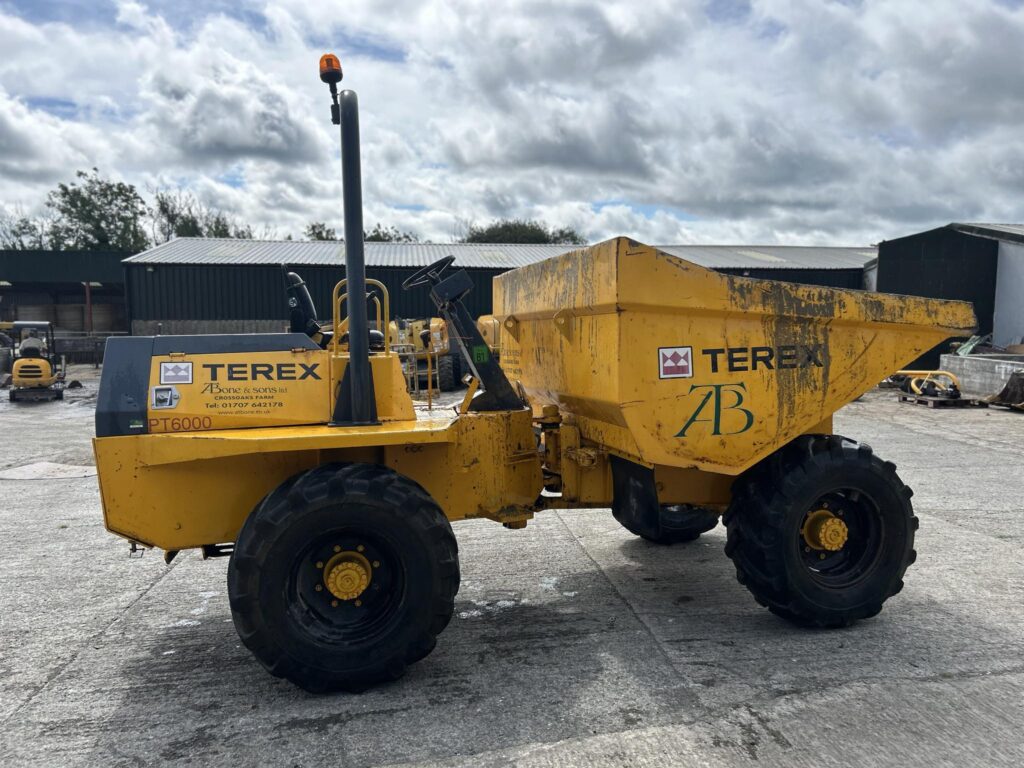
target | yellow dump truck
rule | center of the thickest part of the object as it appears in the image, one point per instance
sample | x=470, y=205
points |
x=630, y=381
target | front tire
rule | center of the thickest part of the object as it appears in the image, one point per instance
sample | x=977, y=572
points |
x=822, y=532
x=342, y=577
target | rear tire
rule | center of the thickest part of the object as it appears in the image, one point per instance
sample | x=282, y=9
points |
x=784, y=567
x=680, y=523
x=447, y=376
x=287, y=611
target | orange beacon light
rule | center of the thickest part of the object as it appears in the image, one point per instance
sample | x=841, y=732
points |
x=330, y=73
x=330, y=69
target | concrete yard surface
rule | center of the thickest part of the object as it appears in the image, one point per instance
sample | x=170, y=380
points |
x=573, y=643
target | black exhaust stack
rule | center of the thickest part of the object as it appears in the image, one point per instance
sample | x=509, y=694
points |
x=356, y=402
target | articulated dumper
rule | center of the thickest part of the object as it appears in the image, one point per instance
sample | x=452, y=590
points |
x=629, y=380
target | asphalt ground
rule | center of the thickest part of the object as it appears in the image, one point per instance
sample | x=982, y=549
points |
x=573, y=643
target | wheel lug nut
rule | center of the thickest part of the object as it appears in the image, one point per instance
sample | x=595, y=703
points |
x=376, y=563
x=358, y=603
x=337, y=548
x=319, y=587
x=360, y=548
x=821, y=556
x=334, y=603
x=319, y=564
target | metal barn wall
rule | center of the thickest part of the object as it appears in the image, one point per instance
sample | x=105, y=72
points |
x=175, y=299
x=832, y=278
x=1008, y=317
x=942, y=264
x=206, y=299
x=62, y=266
x=178, y=298
x=48, y=285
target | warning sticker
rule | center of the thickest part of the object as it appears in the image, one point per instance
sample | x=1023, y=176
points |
x=175, y=373
x=675, y=362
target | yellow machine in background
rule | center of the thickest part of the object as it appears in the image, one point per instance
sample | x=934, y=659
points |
x=490, y=331
x=629, y=380
x=36, y=371
x=415, y=339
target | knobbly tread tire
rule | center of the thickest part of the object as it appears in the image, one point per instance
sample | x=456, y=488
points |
x=447, y=376
x=761, y=517
x=302, y=502
x=680, y=524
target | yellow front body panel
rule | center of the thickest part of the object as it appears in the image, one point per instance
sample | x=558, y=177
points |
x=203, y=392
x=667, y=363
x=191, y=393
x=188, y=489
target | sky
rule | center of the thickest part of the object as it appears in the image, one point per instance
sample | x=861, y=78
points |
x=793, y=122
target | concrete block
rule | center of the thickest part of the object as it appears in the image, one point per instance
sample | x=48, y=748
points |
x=982, y=375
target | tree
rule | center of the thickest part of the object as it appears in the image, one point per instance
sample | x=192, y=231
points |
x=178, y=213
x=568, y=236
x=18, y=232
x=96, y=214
x=318, y=230
x=521, y=231
x=382, y=234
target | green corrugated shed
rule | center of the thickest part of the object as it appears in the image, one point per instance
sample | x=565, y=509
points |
x=62, y=267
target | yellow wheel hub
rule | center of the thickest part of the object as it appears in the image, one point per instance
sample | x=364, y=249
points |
x=347, y=575
x=823, y=530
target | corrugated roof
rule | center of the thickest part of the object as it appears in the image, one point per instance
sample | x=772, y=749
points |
x=772, y=256
x=1013, y=232
x=191, y=250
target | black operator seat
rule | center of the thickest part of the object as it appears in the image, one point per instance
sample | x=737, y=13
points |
x=303, y=319
x=302, y=313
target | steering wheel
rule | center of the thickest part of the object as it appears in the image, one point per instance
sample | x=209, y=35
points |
x=429, y=274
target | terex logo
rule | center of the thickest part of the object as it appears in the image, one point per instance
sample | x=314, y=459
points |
x=264, y=371
x=772, y=358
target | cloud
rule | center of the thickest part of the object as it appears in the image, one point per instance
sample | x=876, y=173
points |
x=221, y=112
x=793, y=121
x=36, y=147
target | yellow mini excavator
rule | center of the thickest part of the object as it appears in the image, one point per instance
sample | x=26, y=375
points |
x=36, y=371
